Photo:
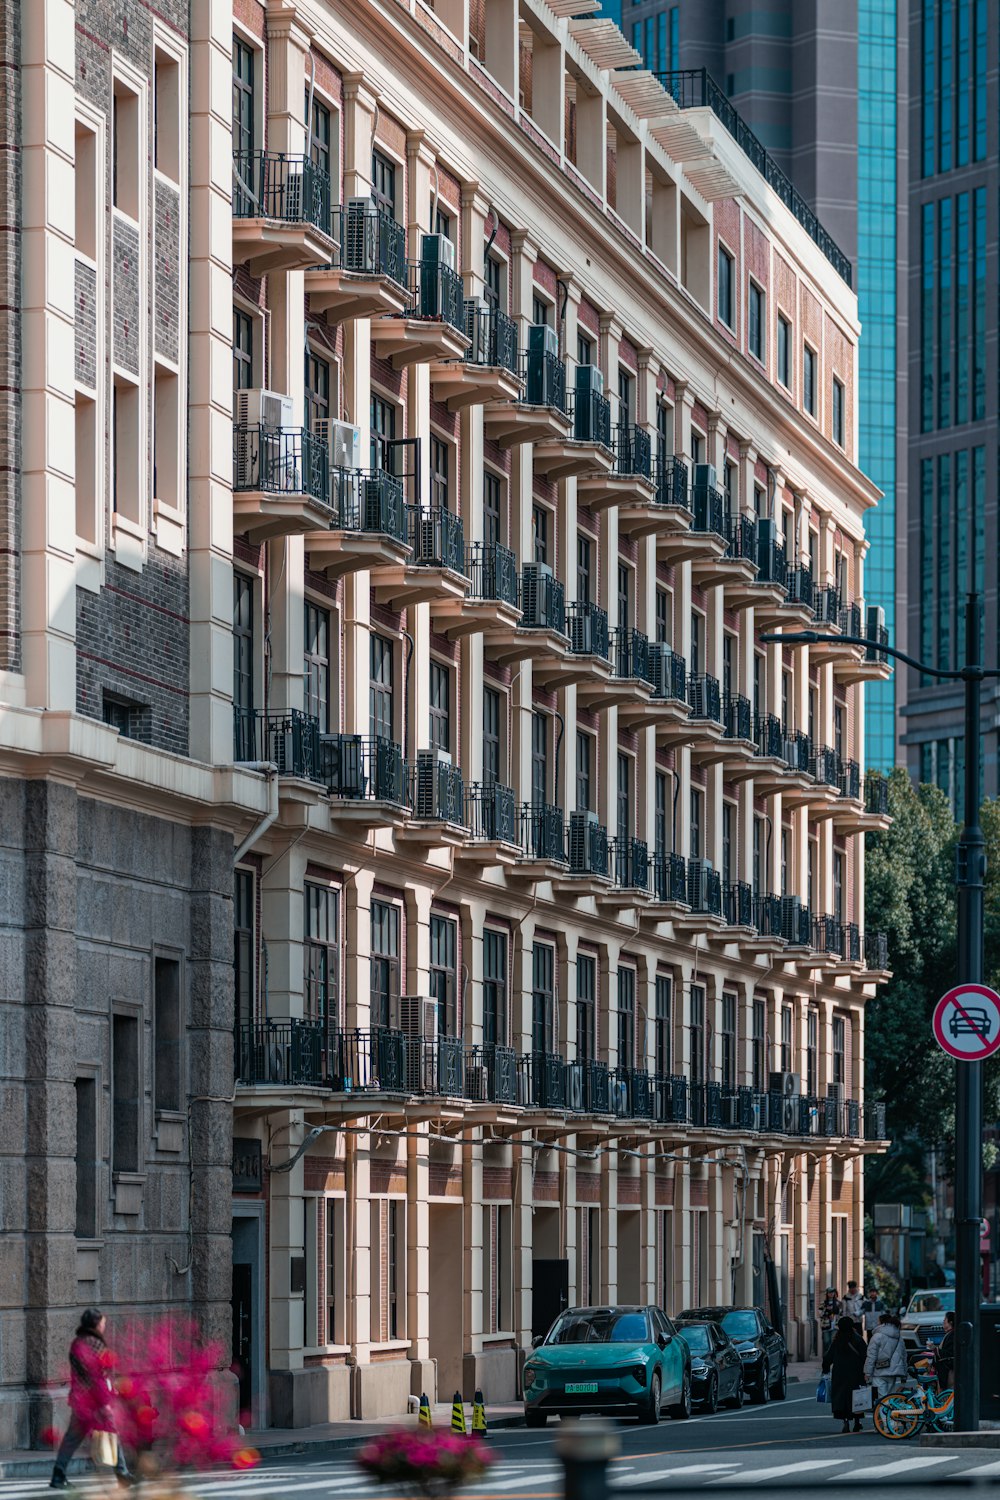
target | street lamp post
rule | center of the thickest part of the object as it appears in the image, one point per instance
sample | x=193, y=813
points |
x=969, y=878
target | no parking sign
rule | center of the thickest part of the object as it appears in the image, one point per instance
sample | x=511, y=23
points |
x=967, y=1022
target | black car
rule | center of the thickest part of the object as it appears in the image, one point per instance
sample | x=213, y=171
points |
x=761, y=1348
x=716, y=1367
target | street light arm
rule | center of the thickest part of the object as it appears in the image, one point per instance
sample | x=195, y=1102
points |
x=810, y=637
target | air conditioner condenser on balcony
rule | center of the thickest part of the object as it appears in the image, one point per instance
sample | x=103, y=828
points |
x=580, y=843
x=477, y=330
x=574, y=1087
x=359, y=251
x=257, y=407
x=437, y=250
x=427, y=801
x=343, y=442
x=698, y=872
x=535, y=578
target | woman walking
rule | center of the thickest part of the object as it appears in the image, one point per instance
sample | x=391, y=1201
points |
x=845, y=1360
x=90, y=1397
x=885, y=1366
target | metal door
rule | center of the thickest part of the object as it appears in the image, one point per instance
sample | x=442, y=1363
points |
x=549, y=1293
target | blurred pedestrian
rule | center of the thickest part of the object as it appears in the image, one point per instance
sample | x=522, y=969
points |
x=852, y=1302
x=845, y=1361
x=90, y=1397
x=946, y=1354
x=872, y=1308
x=885, y=1365
x=828, y=1314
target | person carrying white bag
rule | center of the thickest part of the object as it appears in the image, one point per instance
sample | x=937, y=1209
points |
x=885, y=1365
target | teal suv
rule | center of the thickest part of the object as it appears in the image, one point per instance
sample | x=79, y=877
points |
x=608, y=1361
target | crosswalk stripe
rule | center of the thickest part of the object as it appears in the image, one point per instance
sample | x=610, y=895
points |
x=983, y=1471
x=541, y=1477
x=757, y=1476
x=680, y=1472
x=905, y=1465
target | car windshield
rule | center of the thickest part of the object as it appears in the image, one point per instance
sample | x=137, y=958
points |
x=932, y=1302
x=600, y=1325
x=696, y=1337
x=740, y=1325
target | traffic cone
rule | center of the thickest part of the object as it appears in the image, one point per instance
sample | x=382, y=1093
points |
x=458, y=1414
x=479, y=1426
x=424, y=1414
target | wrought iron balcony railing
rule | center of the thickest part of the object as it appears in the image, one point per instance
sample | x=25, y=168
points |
x=769, y=737
x=437, y=793
x=738, y=904
x=437, y=292
x=289, y=1051
x=281, y=461
x=850, y=779
x=437, y=538
x=704, y=888
x=876, y=945
x=543, y=600
x=767, y=914
x=591, y=417
x=708, y=509
x=368, y=501
x=877, y=794
x=491, y=1074
x=737, y=717
x=771, y=564
x=542, y=832
x=290, y=189
x=670, y=878
x=824, y=766
x=667, y=672
x=587, y=841
x=492, y=570
x=798, y=751
x=358, y=767
x=633, y=451
x=289, y=738
x=491, y=812
x=799, y=584
x=587, y=628
x=542, y=1080
x=492, y=336
x=369, y=243
x=741, y=538
x=544, y=376
x=629, y=862
x=630, y=655
x=828, y=605
x=705, y=697
x=672, y=481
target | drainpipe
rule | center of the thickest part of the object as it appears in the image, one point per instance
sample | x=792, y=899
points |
x=270, y=770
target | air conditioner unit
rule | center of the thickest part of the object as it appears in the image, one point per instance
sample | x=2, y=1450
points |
x=418, y=1016
x=589, y=380
x=874, y=626
x=437, y=250
x=343, y=442
x=791, y=918
x=580, y=845
x=359, y=251
x=835, y=1091
x=259, y=408
x=704, y=477
x=295, y=198
x=477, y=1083
x=543, y=340
x=785, y=1083
x=574, y=1087
x=343, y=759
x=535, y=592
x=477, y=330
x=619, y=1097
x=522, y=1089
x=698, y=871
x=427, y=801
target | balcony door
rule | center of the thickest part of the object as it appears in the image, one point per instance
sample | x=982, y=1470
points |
x=586, y=994
x=543, y=1033
x=243, y=97
x=385, y=963
x=539, y=758
x=494, y=988
x=321, y=962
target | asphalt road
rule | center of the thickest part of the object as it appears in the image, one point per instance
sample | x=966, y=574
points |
x=794, y=1446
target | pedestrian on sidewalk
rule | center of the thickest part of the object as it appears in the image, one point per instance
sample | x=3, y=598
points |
x=90, y=1396
x=845, y=1362
x=885, y=1366
x=872, y=1308
x=852, y=1302
x=945, y=1357
x=828, y=1315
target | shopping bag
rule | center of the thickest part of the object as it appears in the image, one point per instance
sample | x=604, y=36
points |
x=822, y=1395
x=104, y=1449
x=861, y=1400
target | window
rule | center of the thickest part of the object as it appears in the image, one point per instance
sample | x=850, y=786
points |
x=86, y=1158
x=319, y=137
x=494, y=988
x=540, y=533
x=491, y=735
x=786, y=1039
x=755, y=321
x=167, y=487
x=321, y=956
x=728, y=820
x=168, y=1031
x=395, y=1249
x=662, y=616
x=244, y=925
x=493, y=529
x=444, y=974
x=784, y=351
x=584, y=350
x=242, y=350
x=809, y=380
x=440, y=457
x=442, y=223
x=334, y=1267
x=244, y=138
x=384, y=184
x=126, y=474
x=541, y=312
x=696, y=820
x=786, y=855
x=382, y=416
x=725, y=287
x=697, y=631
x=812, y=1052
x=584, y=760
x=440, y=707
x=839, y=1050
x=539, y=757
x=662, y=815
x=381, y=713
x=697, y=1033
x=125, y=126
x=624, y=798
x=542, y=998
x=757, y=1046
x=586, y=997
x=838, y=412
x=729, y=1042
x=626, y=398
x=584, y=550
x=759, y=873
x=626, y=1018
x=384, y=963
x=839, y=866
x=662, y=1050
x=126, y=1093
x=495, y=282
x=697, y=447
x=118, y=714
x=624, y=596
x=166, y=115
x=317, y=391
x=316, y=669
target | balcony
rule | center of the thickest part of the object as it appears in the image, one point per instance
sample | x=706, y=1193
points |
x=766, y=592
x=366, y=275
x=825, y=771
x=629, y=686
x=587, y=845
x=666, y=511
x=281, y=212
x=368, y=527
x=541, y=635
x=873, y=664
x=541, y=1082
x=542, y=841
x=668, y=708
x=437, y=794
x=541, y=414
x=738, y=905
x=704, y=696
x=876, y=951
x=738, y=744
x=287, y=738
x=490, y=368
x=798, y=609
x=491, y=818
x=703, y=542
x=629, y=865
x=281, y=483
x=767, y=933
x=704, y=899
x=587, y=453
x=433, y=330
x=491, y=1076
x=491, y=605
x=736, y=569
x=367, y=780
x=668, y=884
x=631, y=478
x=435, y=568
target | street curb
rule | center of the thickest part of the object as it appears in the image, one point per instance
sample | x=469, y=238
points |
x=988, y=1439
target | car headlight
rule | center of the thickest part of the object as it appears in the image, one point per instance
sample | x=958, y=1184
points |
x=749, y=1354
x=698, y=1367
x=639, y=1374
x=529, y=1377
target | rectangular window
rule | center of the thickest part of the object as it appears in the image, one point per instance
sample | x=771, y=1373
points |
x=126, y=474
x=584, y=550
x=439, y=468
x=697, y=1034
x=87, y=456
x=755, y=321
x=979, y=303
x=86, y=1158
x=316, y=666
x=244, y=927
x=725, y=276
x=947, y=105
x=491, y=736
x=444, y=974
x=494, y=988
x=493, y=530
x=384, y=184
x=126, y=1093
x=381, y=691
x=697, y=623
x=382, y=421
x=317, y=390
x=242, y=350
x=661, y=819
x=812, y=1052
x=243, y=97
x=166, y=115
x=166, y=438
x=543, y=998
x=728, y=820
x=586, y=1000
x=384, y=963
x=541, y=312
x=540, y=533
x=962, y=307
x=696, y=809
x=440, y=706
x=333, y=1260
x=838, y=412
x=496, y=282
x=395, y=1251
x=839, y=1050
x=839, y=867
x=125, y=126
x=786, y=1039
x=809, y=380
x=168, y=1032
x=784, y=351
x=624, y=790
x=758, y=1042
x=539, y=757
x=626, y=397
x=626, y=1018
x=321, y=955
x=584, y=350
x=584, y=749
x=662, y=616
x=319, y=139
x=729, y=1003
x=662, y=1022
x=624, y=596
x=944, y=349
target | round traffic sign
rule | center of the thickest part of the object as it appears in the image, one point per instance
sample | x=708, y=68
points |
x=967, y=1022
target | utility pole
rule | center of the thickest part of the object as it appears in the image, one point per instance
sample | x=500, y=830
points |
x=969, y=879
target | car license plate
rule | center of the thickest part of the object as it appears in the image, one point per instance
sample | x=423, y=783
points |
x=582, y=1388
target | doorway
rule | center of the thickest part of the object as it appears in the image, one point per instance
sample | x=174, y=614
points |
x=446, y=1341
x=629, y=1256
x=248, y=1360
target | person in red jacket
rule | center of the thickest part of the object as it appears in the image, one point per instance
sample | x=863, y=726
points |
x=90, y=1396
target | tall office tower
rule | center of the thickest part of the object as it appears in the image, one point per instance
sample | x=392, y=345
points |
x=818, y=82
x=952, y=530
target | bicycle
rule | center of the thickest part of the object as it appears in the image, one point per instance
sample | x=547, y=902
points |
x=901, y=1414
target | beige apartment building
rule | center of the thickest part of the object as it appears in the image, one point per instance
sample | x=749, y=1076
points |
x=434, y=896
